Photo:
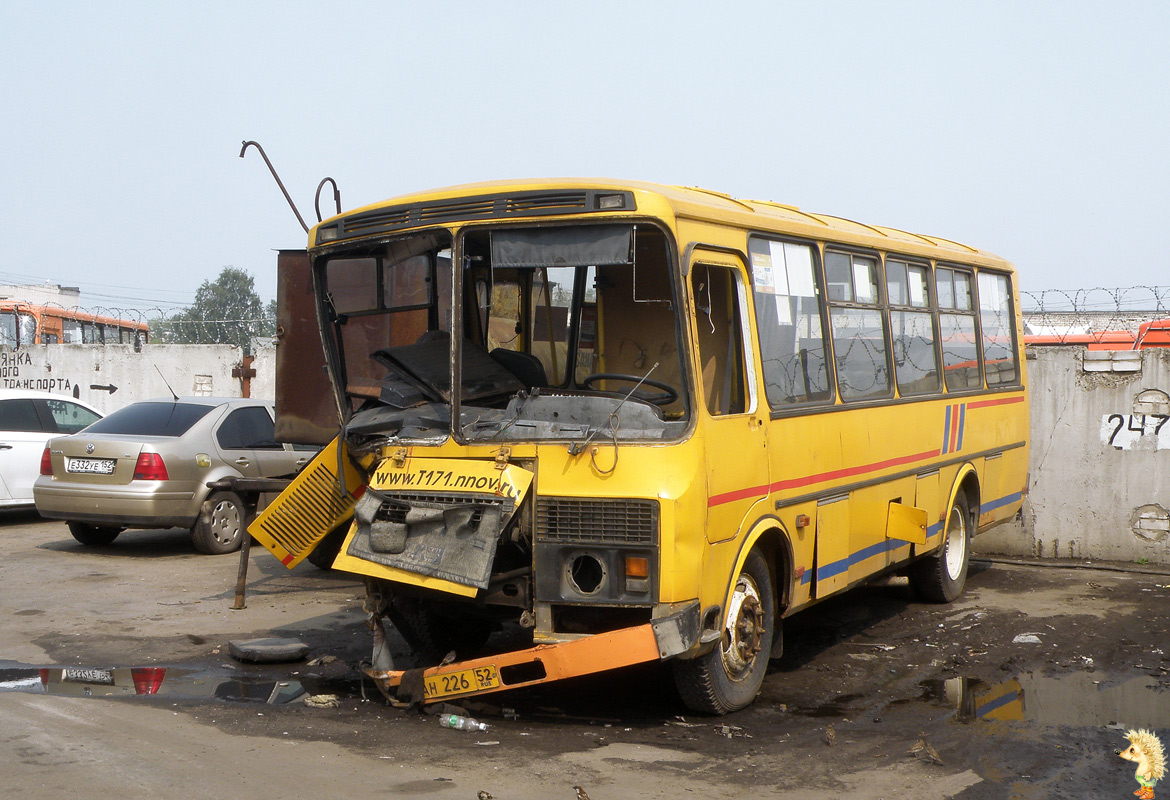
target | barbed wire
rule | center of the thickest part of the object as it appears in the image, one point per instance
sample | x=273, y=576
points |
x=1063, y=315
x=1057, y=313
x=169, y=326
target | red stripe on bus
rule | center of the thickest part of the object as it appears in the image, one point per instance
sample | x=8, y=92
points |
x=1006, y=401
x=792, y=483
x=738, y=494
x=954, y=428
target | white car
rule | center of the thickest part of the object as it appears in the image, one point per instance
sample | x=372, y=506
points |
x=28, y=420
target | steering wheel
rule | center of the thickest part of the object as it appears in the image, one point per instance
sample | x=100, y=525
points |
x=664, y=398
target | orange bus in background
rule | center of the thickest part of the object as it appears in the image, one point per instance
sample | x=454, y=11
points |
x=1155, y=333
x=23, y=324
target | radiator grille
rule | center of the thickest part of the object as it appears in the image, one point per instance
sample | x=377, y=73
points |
x=569, y=519
x=303, y=517
x=397, y=504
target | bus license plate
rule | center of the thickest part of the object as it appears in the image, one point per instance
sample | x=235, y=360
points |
x=465, y=680
x=77, y=675
x=93, y=466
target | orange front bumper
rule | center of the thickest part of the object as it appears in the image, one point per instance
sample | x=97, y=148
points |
x=599, y=652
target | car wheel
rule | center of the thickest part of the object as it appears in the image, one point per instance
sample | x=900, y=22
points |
x=729, y=677
x=94, y=535
x=222, y=524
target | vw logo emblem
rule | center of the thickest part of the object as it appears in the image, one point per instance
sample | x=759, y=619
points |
x=89, y=449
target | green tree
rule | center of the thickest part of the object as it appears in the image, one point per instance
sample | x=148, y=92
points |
x=226, y=311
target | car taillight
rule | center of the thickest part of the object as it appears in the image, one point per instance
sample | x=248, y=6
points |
x=147, y=680
x=46, y=463
x=150, y=467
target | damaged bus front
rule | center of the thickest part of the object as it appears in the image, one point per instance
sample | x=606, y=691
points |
x=515, y=444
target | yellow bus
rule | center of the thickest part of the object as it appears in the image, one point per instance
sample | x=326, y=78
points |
x=680, y=418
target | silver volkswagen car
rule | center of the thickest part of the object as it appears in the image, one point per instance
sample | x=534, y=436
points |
x=148, y=466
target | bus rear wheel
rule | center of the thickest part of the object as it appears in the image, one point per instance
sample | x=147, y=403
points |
x=729, y=677
x=941, y=577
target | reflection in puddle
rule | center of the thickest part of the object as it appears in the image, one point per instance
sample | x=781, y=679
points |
x=1080, y=698
x=171, y=682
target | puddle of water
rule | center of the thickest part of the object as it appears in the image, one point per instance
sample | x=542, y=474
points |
x=1078, y=698
x=173, y=682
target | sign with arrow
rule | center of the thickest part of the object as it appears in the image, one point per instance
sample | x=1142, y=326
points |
x=111, y=388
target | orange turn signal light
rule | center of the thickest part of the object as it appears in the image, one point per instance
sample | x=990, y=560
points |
x=637, y=567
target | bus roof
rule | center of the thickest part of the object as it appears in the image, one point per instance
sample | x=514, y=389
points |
x=701, y=204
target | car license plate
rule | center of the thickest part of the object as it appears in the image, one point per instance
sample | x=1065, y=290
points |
x=79, y=675
x=465, y=680
x=93, y=466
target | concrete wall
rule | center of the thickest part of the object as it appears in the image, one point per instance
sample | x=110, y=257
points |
x=84, y=371
x=1100, y=459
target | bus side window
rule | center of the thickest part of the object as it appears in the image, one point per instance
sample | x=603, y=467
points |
x=720, y=327
x=788, y=318
x=995, y=320
x=912, y=328
x=956, y=322
x=858, y=325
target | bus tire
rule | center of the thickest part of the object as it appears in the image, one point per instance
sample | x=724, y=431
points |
x=941, y=576
x=323, y=555
x=93, y=535
x=222, y=524
x=432, y=636
x=729, y=677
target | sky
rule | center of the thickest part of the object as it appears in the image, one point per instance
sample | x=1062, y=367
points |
x=1036, y=130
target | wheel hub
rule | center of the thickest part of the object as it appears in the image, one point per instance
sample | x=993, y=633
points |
x=743, y=636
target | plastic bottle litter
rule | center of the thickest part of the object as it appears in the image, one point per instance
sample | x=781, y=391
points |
x=461, y=723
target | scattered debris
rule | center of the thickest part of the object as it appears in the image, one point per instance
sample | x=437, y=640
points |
x=323, y=701
x=482, y=795
x=830, y=736
x=1026, y=638
x=486, y=744
x=321, y=660
x=732, y=731
x=581, y=793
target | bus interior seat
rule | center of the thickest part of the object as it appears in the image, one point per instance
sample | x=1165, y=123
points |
x=525, y=366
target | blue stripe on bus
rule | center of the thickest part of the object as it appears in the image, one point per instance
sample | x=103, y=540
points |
x=842, y=565
x=962, y=419
x=1005, y=699
x=947, y=432
x=1000, y=503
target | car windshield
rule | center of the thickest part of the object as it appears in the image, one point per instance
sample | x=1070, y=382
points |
x=152, y=419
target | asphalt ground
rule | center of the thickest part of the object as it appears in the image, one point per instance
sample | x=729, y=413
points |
x=1022, y=688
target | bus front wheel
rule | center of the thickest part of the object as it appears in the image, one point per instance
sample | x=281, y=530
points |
x=729, y=677
x=940, y=577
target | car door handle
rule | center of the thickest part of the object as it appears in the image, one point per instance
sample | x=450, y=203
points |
x=243, y=462
x=302, y=461
x=5, y=447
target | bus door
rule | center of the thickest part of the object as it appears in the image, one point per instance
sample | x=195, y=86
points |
x=306, y=411
x=732, y=424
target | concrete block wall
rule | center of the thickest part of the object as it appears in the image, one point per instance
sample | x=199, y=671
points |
x=1099, y=484
x=88, y=371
